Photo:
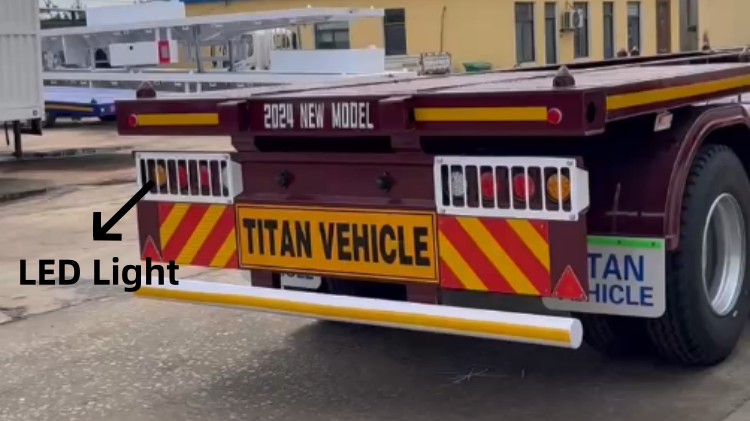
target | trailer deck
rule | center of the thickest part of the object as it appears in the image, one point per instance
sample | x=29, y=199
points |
x=527, y=102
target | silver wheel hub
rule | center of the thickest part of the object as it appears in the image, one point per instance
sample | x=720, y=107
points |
x=723, y=254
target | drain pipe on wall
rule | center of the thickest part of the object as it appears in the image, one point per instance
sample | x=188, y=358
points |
x=442, y=28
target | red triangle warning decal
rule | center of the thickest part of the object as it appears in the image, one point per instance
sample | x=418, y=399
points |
x=150, y=250
x=569, y=287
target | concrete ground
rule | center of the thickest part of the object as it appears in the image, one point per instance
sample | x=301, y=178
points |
x=90, y=352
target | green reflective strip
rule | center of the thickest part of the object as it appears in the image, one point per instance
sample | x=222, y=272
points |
x=636, y=243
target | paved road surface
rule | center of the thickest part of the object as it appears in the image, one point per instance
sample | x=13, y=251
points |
x=126, y=359
x=96, y=353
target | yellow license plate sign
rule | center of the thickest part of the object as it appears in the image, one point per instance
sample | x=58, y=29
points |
x=359, y=243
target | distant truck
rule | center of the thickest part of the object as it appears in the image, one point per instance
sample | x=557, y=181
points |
x=608, y=202
x=255, y=47
x=21, y=92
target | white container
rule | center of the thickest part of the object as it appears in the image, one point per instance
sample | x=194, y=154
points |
x=349, y=61
x=134, y=13
x=145, y=53
x=21, y=91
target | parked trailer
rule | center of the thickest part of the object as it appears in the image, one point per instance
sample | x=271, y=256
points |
x=21, y=96
x=79, y=102
x=608, y=203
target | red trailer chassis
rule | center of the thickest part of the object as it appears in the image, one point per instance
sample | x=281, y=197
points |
x=530, y=205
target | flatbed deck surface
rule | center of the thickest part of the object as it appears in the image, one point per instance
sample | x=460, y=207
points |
x=520, y=102
x=218, y=94
x=240, y=93
x=524, y=81
x=356, y=87
x=424, y=84
x=606, y=77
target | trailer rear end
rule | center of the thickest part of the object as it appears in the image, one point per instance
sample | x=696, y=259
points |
x=543, y=207
x=21, y=92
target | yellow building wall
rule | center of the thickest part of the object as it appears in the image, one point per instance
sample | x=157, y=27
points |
x=725, y=22
x=474, y=30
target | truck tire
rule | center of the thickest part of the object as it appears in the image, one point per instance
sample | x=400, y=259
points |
x=49, y=120
x=708, y=290
x=615, y=336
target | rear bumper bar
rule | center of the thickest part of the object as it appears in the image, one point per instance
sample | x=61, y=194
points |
x=514, y=327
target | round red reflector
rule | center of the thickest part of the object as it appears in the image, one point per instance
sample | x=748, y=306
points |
x=554, y=116
x=520, y=183
x=133, y=120
x=487, y=186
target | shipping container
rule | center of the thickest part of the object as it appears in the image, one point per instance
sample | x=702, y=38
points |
x=21, y=91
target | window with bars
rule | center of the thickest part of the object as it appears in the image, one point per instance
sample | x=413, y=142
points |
x=525, y=51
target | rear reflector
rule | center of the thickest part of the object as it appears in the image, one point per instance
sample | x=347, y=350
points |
x=554, y=116
x=150, y=251
x=569, y=287
x=514, y=327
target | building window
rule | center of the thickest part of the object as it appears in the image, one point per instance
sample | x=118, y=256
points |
x=332, y=36
x=609, y=29
x=581, y=36
x=691, y=12
x=394, y=28
x=525, y=51
x=550, y=32
x=634, y=25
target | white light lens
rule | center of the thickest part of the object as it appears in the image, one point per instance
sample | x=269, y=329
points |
x=225, y=177
x=457, y=184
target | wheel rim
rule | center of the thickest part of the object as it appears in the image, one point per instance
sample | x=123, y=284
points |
x=723, y=254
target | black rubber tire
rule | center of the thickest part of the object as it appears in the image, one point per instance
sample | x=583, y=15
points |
x=615, y=336
x=108, y=118
x=49, y=121
x=690, y=333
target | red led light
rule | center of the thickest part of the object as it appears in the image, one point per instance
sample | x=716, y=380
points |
x=554, y=116
x=487, y=186
x=133, y=120
x=520, y=183
x=182, y=177
x=203, y=173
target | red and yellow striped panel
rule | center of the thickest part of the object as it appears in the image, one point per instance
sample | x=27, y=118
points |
x=494, y=255
x=198, y=234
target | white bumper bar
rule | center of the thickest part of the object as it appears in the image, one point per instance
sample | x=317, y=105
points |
x=514, y=327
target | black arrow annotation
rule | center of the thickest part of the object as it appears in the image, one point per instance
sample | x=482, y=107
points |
x=101, y=232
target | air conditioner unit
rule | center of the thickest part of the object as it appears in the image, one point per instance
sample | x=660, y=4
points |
x=572, y=20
